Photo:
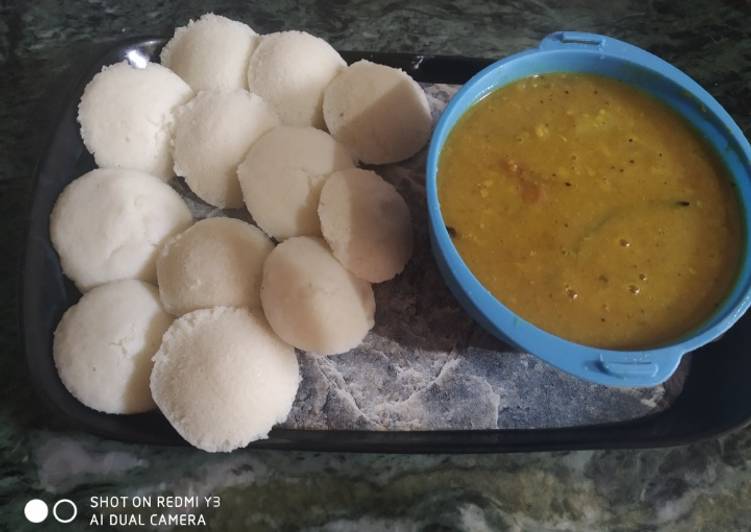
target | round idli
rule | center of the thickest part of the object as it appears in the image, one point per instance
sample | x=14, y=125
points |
x=380, y=113
x=290, y=70
x=311, y=301
x=109, y=224
x=366, y=223
x=282, y=176
x=103, y=346
x=222, y=378
x=126, y=117
x=213, y=132
x=211, y=53
x=215, y=262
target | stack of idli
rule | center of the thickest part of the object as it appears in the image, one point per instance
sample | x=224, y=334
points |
x=222, y=378
x=104, y=344
x=202, y=319
x=367, y=224
x=127, y=117
x=291, y=70
x=216, y=262
x=282, y=176
x=109, y=225
x=380, y=113
x=211, y=53
x=213, y=132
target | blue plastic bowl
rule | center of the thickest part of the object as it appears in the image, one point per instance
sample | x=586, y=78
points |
x=590, y=53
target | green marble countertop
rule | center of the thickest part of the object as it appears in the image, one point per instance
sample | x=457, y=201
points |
x=704, y=486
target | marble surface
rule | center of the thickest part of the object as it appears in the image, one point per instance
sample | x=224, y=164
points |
x=703, y=486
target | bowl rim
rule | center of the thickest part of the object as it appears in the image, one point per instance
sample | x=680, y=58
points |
x=624, y=368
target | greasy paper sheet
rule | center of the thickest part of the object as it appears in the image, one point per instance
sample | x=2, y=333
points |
x=427, y=366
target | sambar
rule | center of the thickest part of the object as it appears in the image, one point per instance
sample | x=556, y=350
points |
x=591, y=209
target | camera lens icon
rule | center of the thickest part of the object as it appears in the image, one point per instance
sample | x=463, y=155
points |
x=65, y=515
x=64, y=511
x=36, y=511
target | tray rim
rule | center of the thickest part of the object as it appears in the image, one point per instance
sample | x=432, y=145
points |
x=414, y=442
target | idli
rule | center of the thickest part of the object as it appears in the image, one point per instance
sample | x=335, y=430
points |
x=311, y=301
x=109, y=224
x=215, y=262
x=104, y=343
x=211, y=53
x=367, y=224
x=213, y=132
x=290, y=70
x=380, y=113
x=282, y=176
x=126, y=117
x=222, y=378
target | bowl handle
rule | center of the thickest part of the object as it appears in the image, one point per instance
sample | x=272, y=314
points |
x=638, y=368
x=592, y=42
x=566, y=40
x=569, y=39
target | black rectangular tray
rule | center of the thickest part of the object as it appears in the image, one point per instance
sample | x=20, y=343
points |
x=715, y=398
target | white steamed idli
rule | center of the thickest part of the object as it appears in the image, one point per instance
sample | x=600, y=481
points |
x=215, y=262
x=126, y=117
x=282, y=176
x=311, y=301
x=380, y=113
x=213, y=132
x=222, y=378
x=290, y=70
x=104, y=343
x=109, y=224
x=211, y=53
x=367, y=224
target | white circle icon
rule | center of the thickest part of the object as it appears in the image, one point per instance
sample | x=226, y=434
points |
x=65, y=519
x=36, y=510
